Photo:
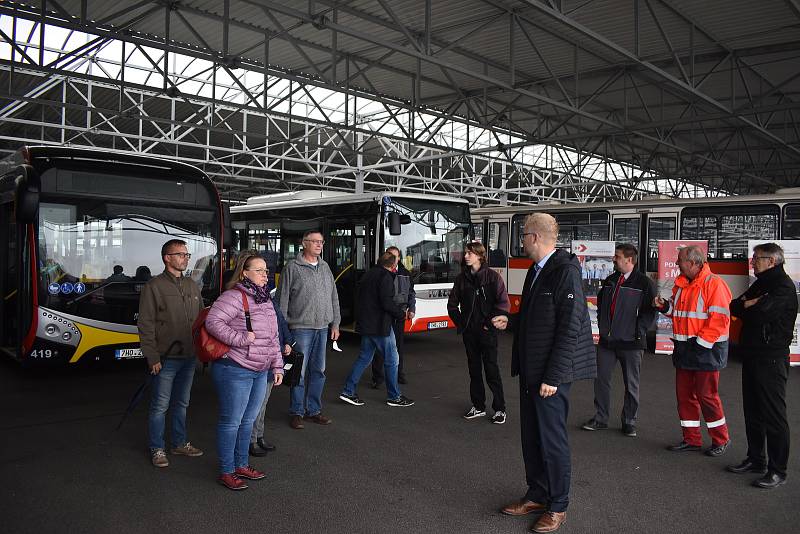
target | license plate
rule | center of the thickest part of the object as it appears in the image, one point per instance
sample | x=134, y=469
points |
x=437, y=324
x=124, y=354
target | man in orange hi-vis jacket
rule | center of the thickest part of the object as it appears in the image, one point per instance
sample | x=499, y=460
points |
x=701, y=318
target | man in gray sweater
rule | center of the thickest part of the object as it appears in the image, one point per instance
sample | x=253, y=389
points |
x=308, y=299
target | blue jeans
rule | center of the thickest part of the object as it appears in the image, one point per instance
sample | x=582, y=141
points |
x=312, y=343
x=171, y=389
x=388, y=347
x=240, y=392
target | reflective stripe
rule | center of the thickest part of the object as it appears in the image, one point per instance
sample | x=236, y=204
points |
x=719, y=309
x=691, y=314
x=694, y=424
x=708, y=278
x=714, y=424
x=681, y=337
x=701, y=304
x=703, y=343
x=722, y=338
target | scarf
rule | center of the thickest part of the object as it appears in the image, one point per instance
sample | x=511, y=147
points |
x=260, y=294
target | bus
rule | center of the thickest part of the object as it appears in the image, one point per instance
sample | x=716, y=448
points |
x=429, y=230
x=83, y=231
x=726, y=223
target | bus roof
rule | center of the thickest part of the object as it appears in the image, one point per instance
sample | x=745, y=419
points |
x=33, y=154
x=639, y=204
x=300, y=198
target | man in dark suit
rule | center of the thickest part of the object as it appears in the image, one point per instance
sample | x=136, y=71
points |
x=768, y=310
x=552, y=348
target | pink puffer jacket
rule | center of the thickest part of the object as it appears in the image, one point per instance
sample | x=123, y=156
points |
x=226, y=322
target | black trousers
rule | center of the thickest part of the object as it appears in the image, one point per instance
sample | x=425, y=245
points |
x=377, y=361
x=545, y=445
x=482, y=358
x=764, y=396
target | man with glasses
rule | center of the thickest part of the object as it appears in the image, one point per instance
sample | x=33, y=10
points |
x=768, y=310
x=308, y=299
x=168, y=305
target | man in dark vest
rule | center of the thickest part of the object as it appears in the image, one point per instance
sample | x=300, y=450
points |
x=768, y=310
x=624, y=314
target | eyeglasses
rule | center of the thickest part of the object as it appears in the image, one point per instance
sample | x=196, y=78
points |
x=523, y=234
x=315, y=241
x=180, y=254
x=761, y=258
x=258, y=271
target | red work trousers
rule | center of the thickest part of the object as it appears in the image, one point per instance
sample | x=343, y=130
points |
x=698, y=390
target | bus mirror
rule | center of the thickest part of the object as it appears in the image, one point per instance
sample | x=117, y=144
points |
x=405, y=219
x=227, y=231
x=27, y=201
x=394, y=223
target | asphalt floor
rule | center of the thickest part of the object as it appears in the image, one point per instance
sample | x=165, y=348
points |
x=421, y=469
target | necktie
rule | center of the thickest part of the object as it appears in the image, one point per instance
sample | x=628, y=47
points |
x=620, y=281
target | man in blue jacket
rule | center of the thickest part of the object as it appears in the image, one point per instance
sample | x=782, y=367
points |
x=376, y=311
x=552, y=348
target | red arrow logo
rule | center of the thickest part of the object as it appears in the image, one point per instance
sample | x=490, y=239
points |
x=582, y=248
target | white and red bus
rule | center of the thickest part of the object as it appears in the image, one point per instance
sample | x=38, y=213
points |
x=726, y=223
x=81, y=232
x=429, y=230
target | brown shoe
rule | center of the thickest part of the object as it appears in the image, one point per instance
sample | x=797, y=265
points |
x=523, y=507
x=296, y=422
x=319, y=419
x=550, y=522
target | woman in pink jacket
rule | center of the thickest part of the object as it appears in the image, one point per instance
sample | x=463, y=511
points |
x=241, y=375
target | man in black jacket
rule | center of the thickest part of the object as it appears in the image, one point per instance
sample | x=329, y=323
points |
x=552, y=348
x=624, y=314
x=405, y=297
x=768, y=310
x=376, y=311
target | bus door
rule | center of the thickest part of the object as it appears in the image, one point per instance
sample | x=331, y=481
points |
x=348, y=261
x=660, y=226
x=9, y=283
x=497, y=247
x=627, y=229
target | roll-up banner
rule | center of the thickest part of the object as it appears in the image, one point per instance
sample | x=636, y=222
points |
x=791, y=256
x=667, y=273
x=597, y=264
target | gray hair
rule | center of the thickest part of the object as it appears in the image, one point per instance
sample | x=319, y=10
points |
x=694, y=254
x=773, y=250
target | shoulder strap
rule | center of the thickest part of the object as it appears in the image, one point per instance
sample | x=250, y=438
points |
x=246, y=310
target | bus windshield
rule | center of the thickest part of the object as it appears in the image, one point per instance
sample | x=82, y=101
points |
x=95, y=256
x=432, y=240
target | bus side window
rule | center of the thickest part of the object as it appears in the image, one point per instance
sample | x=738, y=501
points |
x=658, y=229
x=498, y=244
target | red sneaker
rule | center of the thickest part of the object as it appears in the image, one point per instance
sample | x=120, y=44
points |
x=249, y=473
x=231, y=481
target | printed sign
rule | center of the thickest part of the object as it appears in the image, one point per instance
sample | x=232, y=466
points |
x=791, y=257
x=67, y=288
x=80, y=287
x=668, y=271
x=597, y=264
x=54, y=288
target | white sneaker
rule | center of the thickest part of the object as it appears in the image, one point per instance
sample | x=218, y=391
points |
x=499, y=418
x=473, y=413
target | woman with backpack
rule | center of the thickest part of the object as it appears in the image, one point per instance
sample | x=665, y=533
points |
x=478, y=295
x=253, y=334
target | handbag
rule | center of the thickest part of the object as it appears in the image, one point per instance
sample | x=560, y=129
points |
x=292, y=368
x=207, y=347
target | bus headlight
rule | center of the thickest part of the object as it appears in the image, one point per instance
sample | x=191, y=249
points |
x=66, y=336
x=52, y=330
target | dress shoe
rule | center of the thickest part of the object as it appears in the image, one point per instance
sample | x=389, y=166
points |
x=523, y=507
x=549, y=522
x=629, y=430
x=747, y=466
x=296, y=422
x=593, y=424
x=683, y=447
x=265, y=445
x=319, y=419
x=255, y=451
x=717, y=450
x=770, y=481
